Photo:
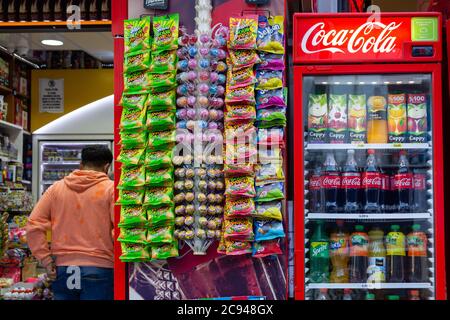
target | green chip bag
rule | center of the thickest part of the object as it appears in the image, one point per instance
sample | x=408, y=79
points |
x=131, y=157
x=133, y=252
x=132, y=177
x=161, y=216
x=162, y=99
x=164, y=140
x=132, y=216
x=137, y=34
x=133, y=235
x=160, y=82
x=162, y=234
x=164, y=61
x=160, y=121
x=165, y=32
x=157, y=197
x=133, y=139
x=159, y=178
x=131, y=197
x=268, y=210
x=132, y=119
x=136, y=81
x=165, y=251
x=134, y=100
x=158, y=159
x=137, y=61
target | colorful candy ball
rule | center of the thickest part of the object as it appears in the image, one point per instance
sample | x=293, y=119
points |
x=203, y=75
x=204, y=51
x=192, y=51
x=222, y=79
x=181, y=124
x=191, y=75
x=214, y=76
x=190, y=124
x=192, y=63
x=220, y=90
x=204, y=63
x=190, y=114
x=182, y=102
x=203, y=88
x=182, y=89
x=214, y=52
x=212, y=125
x=221, y=66
x=191, y=101
x=204, y=114
x=193, y=39
x=203, y=101
x=182, y=65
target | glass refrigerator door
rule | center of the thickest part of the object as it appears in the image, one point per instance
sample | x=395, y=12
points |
x=59, y=159
x=368, y=160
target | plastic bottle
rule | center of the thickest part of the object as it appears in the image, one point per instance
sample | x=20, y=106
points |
x=403, y=184
x=347, y=294
x=331, y=183
x=419, y=202
x=370, y=296
x=339, y=254
x=376, y=270
x=323, y=295
x=319, y=255
x=395, y=255
x=371, y=184
x=393, y=297
x=417, y=244
x=359, y=250
x=315, y=189
x=351, y=184
x=414, y=295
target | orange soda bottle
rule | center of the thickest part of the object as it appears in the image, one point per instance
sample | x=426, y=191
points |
x=339, y=254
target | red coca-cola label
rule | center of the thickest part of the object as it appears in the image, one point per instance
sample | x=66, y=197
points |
x=351, y=181
x=331, y=182
x=420, y=181
x=371, y=180
x=403, y=181
x=385, y=182
x=315, y=182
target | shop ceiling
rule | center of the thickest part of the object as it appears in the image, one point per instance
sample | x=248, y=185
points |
x=97, y=44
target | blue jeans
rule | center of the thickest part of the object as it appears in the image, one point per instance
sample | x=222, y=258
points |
x=83, y=283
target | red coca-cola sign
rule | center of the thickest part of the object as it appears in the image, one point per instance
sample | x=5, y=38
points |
x=420, y=181
x=331, y=182
x=315, y=183
x=352, y=181
x=356, y=37
x=371, y=180
x=403, y=181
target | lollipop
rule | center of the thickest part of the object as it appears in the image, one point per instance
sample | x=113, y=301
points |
x=222, y=79
x=190, y=173
x=190, y=88
x=203, y=221
x=221, y=66
x=204, y=63
x=192, y=51
x=203, y=75
x=182, y=102
x=213, y=90
x=204, y=38
x=179, y=221
x=190, y=234
x=182, y=90
x=191, y=75
x=182, y=65
x=214, y=76
x=210, y=234
x=183, y=76
x=218, y=234
x=204, y=51
x=183, y=41
x=181, y=113
x=214, y=52
x=190, y=124
x=204, y=114
x=191, y=101
x=203, y=101
x=182, y=235
x=190, y=209
x=189, y=220
x=220, y=90
x=213, y=114
x=190, y=113
x=181, y=124
x=212, y=125
x=200, y=233
x=203, y=124
x=222, y=54
x=192, y=64
x=193, y=39
x=203, y=88
x=181, y=53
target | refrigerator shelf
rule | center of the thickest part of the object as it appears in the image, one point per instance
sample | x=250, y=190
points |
x=369, y=216
x=364, y=146
x=61, y=163
x=411, y=285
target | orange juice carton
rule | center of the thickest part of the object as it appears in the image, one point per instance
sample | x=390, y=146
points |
x=337, y=118
x=377, y=120
x=357, y=122
x=317, y=118
x=397, y=118
x=417, y=118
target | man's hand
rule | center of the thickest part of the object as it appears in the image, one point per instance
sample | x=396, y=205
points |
x=51, y=271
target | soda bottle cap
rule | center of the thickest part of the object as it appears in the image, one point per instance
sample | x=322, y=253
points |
x=371, y=151
x=340, y=223
x=395, y=227
x=359, y=227
x=324, y=290
x=351, y=151
x=414, y=292
x=403, y=153
x=416, y=227
x=370, y=296
x=347, y=291
x=393, y=297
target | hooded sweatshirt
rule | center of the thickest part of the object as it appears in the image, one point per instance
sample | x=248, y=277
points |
x=79, y=211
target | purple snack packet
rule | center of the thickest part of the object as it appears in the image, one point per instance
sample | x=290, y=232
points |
x=270, y=61
x=270, y=98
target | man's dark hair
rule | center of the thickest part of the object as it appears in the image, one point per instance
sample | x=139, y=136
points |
x=96, y=156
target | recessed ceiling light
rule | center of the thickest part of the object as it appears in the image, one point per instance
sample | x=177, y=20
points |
x=362, y=82
x=411, y=82
x=374, y=82
x=387, y=82
x=53, y=43
x=324, y=82
x=399, y=82
x=337, y=82
x=349, y=82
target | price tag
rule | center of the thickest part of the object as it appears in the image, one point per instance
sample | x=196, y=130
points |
x=360, y=145
x=364, y=285
x=398, y=145
x=363, y=216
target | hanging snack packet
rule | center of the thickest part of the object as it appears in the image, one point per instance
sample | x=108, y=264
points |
x=131, y=157
x=240, y=186
x=241, y=154
x=134, y=100
x=270, y=98
x=270, y=192
x=132, y=252
x=130, y=197
x=238, y=229
x=137, y=81
x=243, y=32
x=164, y=61
x=270, y=154
x=157, y=197
x=165, y=32
x=271, y=34
x=240, y=78
x=270, y=172
x=269, y=79
x=133, y=140
x=240, y=133
x=161, y=82
x=132, y=177
x=241, y=207
x=241, y=95
x=272, y=136
x=268, y=230
x=162, y=216
x=269, y=118
x=243, y=59
x=221, y=248
x=160, y=121
x=238, y=169
x=240, y=113
x=162, y=234
x=234, y=248
x=158, y=101
x=164, y=140
x=270, y=61
x=132, y=119
x=137, y=34
x=268, y=210
x=132, y=216
x=137, y=61
x=158, y=159
x=165, y=251
x=133, y=235
x=266, y=248
x=159, y=178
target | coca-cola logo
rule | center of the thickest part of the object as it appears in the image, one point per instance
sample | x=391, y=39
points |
x=371, y=36
x=315, y=183
x=353, y=182
x=331, y=182
x=372, y=180
x=403, y=181
x=419, y=182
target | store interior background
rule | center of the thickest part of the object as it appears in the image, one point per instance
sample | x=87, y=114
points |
x=85, y=62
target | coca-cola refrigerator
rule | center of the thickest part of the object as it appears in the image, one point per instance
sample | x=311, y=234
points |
x=368, y=206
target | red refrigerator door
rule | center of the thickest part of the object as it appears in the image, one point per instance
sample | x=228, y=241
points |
x=391, y=94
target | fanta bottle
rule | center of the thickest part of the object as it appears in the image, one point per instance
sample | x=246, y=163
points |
x=339, y=254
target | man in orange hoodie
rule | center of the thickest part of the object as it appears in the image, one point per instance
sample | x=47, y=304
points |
x=79, y=211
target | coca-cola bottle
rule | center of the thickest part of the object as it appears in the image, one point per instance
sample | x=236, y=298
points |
x=403, y=184
x=385, y=185
x=331, y=183
x=315, y=189
x=351, y=183
x=419, y=202
x=371, y=184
